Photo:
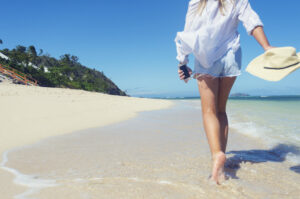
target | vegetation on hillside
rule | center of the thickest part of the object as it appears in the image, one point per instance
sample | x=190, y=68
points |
x=65, y=72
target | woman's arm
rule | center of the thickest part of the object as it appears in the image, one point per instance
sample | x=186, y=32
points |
x=183, y=50
x=259, y=34
x=252, y=23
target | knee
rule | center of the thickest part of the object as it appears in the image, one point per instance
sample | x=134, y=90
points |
x=222, y=109
x=209, y=111
x=222, y=113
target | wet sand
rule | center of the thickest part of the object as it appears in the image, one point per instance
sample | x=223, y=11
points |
x=159, y=154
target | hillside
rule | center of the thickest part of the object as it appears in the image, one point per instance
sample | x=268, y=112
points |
x=65, y=72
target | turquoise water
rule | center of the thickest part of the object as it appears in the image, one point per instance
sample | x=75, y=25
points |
x=273, y=121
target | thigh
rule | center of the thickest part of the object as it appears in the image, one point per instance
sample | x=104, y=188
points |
x=208, y=88
x=225, y=86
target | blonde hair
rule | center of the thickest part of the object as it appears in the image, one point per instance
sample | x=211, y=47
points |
x=222, y=5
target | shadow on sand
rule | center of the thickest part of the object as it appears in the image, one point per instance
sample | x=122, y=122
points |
x=276, y=154
x=296, y=169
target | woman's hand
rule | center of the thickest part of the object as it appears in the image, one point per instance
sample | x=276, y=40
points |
x=181, y=73
x=268, y=47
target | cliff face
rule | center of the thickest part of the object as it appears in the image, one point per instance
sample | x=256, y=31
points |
x=65, y=72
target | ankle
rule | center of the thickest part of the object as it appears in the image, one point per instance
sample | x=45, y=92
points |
x=218, y=154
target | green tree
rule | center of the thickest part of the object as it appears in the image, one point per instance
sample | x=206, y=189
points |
x=66, y=58
x=32, y=54
x=32, y=51
x=21, y=49
x=63, y=72
x=74, y=59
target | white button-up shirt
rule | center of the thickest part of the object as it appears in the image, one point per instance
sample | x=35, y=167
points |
x=210, y=35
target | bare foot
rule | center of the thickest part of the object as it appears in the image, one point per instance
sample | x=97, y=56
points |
x=218, y=174
x=222, y=176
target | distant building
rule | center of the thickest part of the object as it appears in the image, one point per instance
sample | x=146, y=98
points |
x=3, y=56
x=30, y=64
x=46, y=69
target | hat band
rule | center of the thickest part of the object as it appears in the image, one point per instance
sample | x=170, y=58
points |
x=282, y=67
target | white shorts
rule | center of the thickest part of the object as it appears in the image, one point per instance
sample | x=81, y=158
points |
x=228, y=65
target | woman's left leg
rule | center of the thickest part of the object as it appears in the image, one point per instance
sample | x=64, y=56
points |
x=225, y=86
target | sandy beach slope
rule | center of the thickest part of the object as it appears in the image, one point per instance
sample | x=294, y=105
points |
x=29, y=114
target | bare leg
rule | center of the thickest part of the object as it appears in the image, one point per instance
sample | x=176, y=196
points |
x=209, y=90
x=225, y=86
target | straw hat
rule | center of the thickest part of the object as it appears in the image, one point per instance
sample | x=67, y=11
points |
x=275, y=63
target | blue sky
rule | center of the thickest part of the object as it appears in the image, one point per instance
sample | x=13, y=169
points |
x=132, y=41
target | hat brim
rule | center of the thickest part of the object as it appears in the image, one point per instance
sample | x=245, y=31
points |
x=255, y=68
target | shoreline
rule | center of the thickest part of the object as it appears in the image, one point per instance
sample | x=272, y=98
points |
x=31, y=114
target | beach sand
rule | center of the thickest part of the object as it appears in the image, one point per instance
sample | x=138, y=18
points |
x=161, y=153
x=30, y=113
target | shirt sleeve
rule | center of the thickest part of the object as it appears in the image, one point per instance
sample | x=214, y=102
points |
x=190, y=15
x=248, y=17
x=182, y=52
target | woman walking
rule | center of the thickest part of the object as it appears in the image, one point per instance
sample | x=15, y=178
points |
x=210, y=33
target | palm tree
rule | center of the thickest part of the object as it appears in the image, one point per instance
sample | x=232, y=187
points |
x=41, y=52
x=32, y=51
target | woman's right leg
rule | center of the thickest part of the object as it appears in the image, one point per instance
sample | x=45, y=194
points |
x=209, y=89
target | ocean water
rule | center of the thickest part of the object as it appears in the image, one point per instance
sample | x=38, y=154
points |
x=271, y=120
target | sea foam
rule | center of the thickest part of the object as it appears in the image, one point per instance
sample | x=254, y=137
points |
x=32, y=182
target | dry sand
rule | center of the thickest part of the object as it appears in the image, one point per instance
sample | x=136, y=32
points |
x=29, y=114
